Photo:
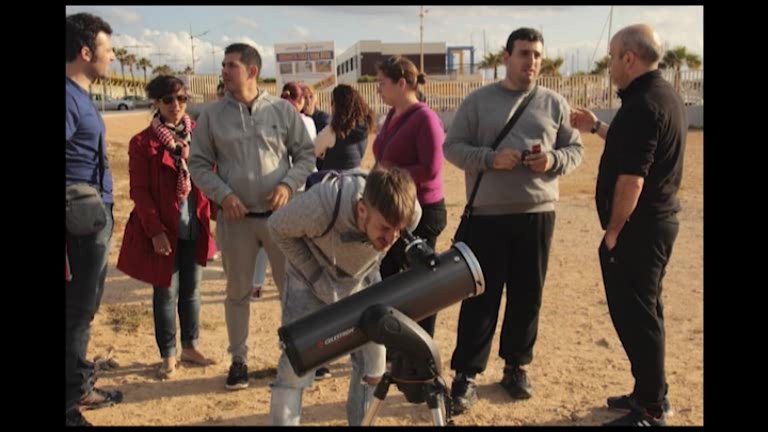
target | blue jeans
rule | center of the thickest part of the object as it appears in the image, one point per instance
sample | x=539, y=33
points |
x=367, y=361
x=88, y=264
x=184, y=292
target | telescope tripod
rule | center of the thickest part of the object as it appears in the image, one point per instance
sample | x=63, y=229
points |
x=416, y=368
x=435, y=392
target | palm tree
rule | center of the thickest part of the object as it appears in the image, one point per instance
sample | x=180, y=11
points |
x=130, y=60
x=679, y=55
x=162, y=70
x=144, y=63
x=492, y=61
x=693, y=61
x=675, y=58
x=120, y=54
x=551, y=66
x=601, y=65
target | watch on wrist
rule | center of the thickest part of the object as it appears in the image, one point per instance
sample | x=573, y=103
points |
x=596, y=127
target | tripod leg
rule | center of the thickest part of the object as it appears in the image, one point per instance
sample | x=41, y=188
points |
x=437, y=392
x=378, y=397
x=438, y=410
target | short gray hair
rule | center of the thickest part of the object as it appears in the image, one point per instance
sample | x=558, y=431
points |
x=647, y=48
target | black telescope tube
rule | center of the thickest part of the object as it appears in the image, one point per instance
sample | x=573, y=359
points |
x=418, y=292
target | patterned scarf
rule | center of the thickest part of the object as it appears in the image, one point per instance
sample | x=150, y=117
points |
x=176, y=139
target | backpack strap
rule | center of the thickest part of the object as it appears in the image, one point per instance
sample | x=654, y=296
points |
x=337, y=207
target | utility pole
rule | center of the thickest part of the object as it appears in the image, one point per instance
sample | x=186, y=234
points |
x=192, y=42
x=610, y=23
x=213, y=59
x=573, y=62
x=422, y=11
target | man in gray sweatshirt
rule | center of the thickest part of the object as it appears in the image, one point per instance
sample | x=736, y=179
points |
x=513, y=218
x=326, y=265
x=250, y=152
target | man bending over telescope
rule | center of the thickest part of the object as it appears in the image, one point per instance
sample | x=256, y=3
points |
x=333, y=237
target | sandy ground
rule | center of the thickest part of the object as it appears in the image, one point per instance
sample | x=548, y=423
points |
x=578, y=359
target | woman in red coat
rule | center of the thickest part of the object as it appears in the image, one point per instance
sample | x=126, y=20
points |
x=168, y=234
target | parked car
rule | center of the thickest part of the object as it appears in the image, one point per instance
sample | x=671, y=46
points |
x=111, y=103
x=138, y=101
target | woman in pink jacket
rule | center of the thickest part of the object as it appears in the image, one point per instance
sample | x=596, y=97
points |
x=412, y=138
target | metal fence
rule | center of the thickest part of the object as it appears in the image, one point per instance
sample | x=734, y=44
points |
x=590, y=91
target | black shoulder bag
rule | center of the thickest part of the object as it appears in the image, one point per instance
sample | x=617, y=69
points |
x=462, y=232
x=86, y=213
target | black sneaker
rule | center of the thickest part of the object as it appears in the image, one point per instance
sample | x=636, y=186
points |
x=515, y=382
x=75, y=418
x=634, y=418
x=628, y=402
x=322, y=373
x=237, y=379
x=463, y=392
x=99, y=398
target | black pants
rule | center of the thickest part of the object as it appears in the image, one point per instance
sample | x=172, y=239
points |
x=88, y=262
x=632, y=274
x=511, y=250
x=432, y=223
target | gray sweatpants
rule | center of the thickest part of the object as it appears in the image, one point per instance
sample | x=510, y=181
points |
x=240, y=241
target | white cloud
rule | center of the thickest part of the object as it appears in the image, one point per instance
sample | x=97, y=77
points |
x=410, y=31
x=676, y=25
x=248, y=22
x=125, y=16
x=514, y=12
x=378, y=11
x=300, y=31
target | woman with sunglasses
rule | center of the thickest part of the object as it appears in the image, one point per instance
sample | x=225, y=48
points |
x=411, y=138
x=167, y=236
x=341, y=145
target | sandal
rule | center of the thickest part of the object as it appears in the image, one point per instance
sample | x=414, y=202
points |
x=202, y=360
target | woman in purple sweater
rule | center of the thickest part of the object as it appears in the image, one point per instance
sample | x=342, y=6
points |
x=411, y=138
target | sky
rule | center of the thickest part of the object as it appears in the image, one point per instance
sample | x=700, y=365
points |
x=578, y=34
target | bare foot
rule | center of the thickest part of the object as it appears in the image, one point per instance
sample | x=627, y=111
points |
x=167, y=369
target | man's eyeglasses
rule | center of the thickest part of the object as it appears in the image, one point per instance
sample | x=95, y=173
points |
x=168, y=99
